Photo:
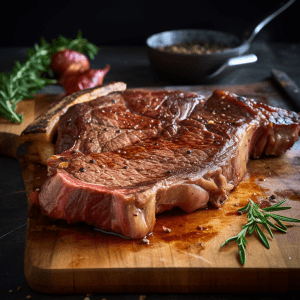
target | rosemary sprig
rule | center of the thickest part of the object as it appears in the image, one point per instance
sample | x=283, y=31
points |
x=256, y=216
x=35, y=73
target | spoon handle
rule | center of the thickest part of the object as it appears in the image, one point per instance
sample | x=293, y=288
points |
x=266, y=20
x=240, y=60
x=234, y=61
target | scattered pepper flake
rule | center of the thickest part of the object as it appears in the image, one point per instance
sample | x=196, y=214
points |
x=165, y=229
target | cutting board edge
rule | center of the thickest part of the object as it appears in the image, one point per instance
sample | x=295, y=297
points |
x=196, y=281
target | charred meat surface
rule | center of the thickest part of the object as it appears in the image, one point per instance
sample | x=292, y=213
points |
x=122, y=158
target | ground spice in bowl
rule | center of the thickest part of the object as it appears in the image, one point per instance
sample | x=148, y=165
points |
x=194, y=48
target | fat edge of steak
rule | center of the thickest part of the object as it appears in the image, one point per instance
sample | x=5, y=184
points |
x=243, y=128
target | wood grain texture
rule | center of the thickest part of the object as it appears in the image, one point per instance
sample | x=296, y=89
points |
x=10, y=132
x=76, y=258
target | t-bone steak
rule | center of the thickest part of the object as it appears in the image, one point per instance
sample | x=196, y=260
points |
x=125, y=157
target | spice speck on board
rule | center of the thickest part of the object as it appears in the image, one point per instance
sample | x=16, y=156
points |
x=165, y=229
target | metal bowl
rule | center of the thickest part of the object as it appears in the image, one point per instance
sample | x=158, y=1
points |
x=191, y=68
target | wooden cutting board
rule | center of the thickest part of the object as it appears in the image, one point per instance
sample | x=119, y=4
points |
x=69, y=258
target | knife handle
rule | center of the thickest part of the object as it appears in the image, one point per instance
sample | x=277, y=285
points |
x=288, y=86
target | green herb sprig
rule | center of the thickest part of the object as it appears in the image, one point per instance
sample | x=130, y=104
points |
x=35, y=73
x=257, y=215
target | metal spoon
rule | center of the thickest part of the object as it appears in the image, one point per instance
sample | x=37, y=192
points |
x=266, y=20
x=251, y=58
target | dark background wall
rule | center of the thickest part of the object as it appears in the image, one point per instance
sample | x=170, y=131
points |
x=130, y=22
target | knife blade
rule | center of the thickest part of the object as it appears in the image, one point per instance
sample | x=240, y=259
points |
x=287, y=85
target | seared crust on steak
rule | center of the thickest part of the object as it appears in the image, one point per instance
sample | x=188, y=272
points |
x=127, y=156
x=36, y=141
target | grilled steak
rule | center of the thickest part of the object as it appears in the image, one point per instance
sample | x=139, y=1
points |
x=124, y=157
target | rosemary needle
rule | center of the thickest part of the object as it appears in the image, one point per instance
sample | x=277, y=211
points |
x=35, y=73
x=256, y=216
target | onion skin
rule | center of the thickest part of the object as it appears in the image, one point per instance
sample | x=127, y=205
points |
x=68, y=60
x=72, y=70
x=84, y=80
